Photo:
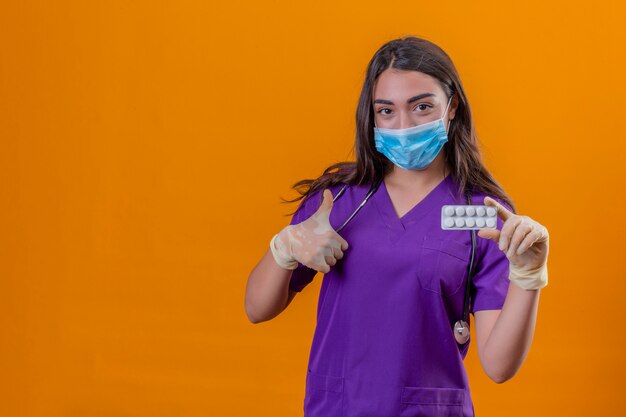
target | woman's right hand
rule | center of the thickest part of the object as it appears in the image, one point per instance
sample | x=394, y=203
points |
x=314, y=243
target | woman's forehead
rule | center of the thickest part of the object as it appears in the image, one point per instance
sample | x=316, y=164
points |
x=403, y=84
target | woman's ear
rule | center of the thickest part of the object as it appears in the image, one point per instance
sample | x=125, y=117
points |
x=454, y=105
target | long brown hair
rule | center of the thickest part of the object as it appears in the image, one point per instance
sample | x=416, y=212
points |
x=461, y=150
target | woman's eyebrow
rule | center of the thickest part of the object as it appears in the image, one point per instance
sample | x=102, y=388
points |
x=409, y=101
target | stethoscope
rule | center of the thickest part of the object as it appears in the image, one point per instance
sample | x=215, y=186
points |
x=461, y=327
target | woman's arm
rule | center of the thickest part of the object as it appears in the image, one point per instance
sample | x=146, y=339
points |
x=267, y=290
x=504, y=336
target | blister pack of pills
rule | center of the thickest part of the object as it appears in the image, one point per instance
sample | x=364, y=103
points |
x=465, y=217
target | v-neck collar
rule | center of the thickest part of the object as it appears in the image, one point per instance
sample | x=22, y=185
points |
x=416, y=213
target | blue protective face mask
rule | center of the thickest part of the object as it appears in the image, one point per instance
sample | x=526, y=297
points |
x=414, y=147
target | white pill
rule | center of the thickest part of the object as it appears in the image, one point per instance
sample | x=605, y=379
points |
x=468, y=217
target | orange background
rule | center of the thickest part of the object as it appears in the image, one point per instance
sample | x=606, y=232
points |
x=144, y=147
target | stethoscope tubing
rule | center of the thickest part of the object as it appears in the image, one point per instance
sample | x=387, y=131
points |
x=371, y=191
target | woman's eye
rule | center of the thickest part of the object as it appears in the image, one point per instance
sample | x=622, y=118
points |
x=423, y=106
x=382, y=110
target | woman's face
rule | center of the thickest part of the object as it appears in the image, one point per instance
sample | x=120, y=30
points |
x=404, y=99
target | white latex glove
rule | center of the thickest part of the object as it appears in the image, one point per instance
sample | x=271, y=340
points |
x=313, y=242
x=526, y=244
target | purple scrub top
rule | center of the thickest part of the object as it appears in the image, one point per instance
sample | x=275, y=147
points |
x=383, y=344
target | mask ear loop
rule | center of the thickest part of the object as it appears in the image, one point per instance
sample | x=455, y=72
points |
x=446, y=112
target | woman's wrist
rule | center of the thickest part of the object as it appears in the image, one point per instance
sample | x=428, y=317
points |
x=529, y=280
x=281, y=254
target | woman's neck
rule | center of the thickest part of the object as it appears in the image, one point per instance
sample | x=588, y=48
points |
x=410, y=179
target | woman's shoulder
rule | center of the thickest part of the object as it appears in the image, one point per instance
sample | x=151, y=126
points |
x=478, y=194
x=317, y=195
x=478, y=198
x=312, y=199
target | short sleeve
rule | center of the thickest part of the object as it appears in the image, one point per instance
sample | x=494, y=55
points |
x=303, y=275
x=490, y=283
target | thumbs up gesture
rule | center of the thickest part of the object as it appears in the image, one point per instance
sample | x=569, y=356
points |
x=314, y=243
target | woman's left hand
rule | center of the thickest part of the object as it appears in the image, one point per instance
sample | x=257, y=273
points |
x=524, y=240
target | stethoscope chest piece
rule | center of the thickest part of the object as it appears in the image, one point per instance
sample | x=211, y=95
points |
x=461, y=331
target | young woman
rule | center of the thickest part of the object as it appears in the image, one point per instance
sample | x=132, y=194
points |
x=392, y=329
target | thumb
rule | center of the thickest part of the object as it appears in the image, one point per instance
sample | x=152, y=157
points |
x=491, y=234
x=327, y=204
